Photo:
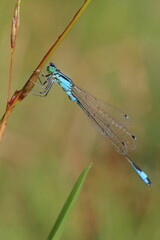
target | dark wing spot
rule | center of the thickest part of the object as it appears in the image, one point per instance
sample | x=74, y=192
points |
x=134, y=137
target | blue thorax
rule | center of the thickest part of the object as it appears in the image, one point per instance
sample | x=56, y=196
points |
x=65, y=82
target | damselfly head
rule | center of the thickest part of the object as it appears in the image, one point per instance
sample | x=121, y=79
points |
x=51, y=68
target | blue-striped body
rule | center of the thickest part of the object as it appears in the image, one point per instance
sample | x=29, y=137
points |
x=65, y=82
x=67, y=85
x=109, y=121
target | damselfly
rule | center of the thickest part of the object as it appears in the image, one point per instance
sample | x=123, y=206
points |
x=109, y=121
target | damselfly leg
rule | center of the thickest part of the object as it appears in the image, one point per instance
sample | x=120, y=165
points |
x=45, y=85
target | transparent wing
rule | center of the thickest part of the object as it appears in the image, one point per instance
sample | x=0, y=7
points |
x=109, y=121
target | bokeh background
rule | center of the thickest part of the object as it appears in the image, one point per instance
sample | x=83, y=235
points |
x=113, y=52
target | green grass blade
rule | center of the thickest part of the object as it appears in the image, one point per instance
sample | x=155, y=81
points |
x=59, y=224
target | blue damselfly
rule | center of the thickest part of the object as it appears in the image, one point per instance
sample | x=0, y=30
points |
x=108, y=120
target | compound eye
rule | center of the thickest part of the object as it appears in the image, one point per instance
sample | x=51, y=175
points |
x=52, y=65
x=51, y=68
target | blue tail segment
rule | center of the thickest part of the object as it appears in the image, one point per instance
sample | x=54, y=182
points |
x=141, y=174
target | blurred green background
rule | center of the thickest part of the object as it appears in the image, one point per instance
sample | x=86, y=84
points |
x=113, y=52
